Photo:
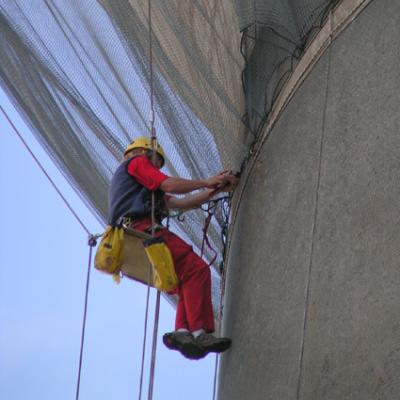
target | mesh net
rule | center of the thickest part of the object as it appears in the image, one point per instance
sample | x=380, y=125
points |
x=275, y=34
x=78, y=71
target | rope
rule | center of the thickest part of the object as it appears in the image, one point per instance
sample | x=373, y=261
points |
x=225, y=207
x=215, y=376
x=151, y=83
x=44, y=171
x=205, y=240
x=144, y=337
x=91, y=242
x=221, y=302
x=154, y=346
x=153, y=218
x=153, y=225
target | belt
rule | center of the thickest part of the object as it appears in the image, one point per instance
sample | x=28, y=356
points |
x=131, y=222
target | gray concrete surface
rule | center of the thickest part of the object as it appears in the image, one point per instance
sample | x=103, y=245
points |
x=313, y=285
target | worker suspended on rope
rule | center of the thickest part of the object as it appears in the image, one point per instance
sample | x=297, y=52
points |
x=130, y=196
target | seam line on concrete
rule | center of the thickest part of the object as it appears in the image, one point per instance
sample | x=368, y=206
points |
x=342, y=15
x=313, y=233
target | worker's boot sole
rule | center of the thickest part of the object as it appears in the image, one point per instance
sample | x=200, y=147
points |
x=212, y=344
x=185, y=343
x=193, y=351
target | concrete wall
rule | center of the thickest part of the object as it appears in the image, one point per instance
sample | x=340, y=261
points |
x=313, y=287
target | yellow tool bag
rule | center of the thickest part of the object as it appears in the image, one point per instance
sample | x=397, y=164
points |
x=109, y=253
x=164, y=276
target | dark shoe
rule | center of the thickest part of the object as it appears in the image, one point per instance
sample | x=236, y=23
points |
x=212, y=344
x=185, y=343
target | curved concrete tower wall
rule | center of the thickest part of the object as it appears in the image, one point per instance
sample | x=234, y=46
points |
x=313, y=287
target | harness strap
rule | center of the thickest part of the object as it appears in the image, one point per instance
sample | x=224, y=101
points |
x=205, y=238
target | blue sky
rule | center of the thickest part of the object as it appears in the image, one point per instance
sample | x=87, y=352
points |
x=43, y=266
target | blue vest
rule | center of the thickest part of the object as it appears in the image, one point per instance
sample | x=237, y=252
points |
x=128, y=198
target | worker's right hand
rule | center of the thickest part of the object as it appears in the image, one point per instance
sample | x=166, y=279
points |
x=224, y=181
x=230, y=183
x=215, y=181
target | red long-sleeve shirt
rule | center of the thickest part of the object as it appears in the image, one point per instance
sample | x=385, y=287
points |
x=143, y=170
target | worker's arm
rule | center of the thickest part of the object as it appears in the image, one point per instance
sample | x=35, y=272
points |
x=181, y=186
x=152, y=178
x=197, y=199
x=190, y=201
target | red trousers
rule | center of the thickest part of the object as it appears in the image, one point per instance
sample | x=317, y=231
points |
x=194, y=310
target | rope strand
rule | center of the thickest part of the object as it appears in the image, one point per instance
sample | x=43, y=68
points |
x=153, y=224
x=215, y=376
x=151, y=71
x=153, y=208
x=225, y=207
x=144, y=339
x=92, y=242
x=154, y=346
x=16, y=131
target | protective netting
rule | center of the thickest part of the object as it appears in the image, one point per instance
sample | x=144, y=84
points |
x=275, y=35
x=78, y=71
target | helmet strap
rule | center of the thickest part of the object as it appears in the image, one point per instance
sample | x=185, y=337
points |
x=149, y=154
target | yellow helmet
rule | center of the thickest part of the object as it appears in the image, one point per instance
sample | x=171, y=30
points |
x=144, y=142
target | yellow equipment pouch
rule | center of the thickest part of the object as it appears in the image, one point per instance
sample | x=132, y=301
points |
x=109, y=253
x=160, y=257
